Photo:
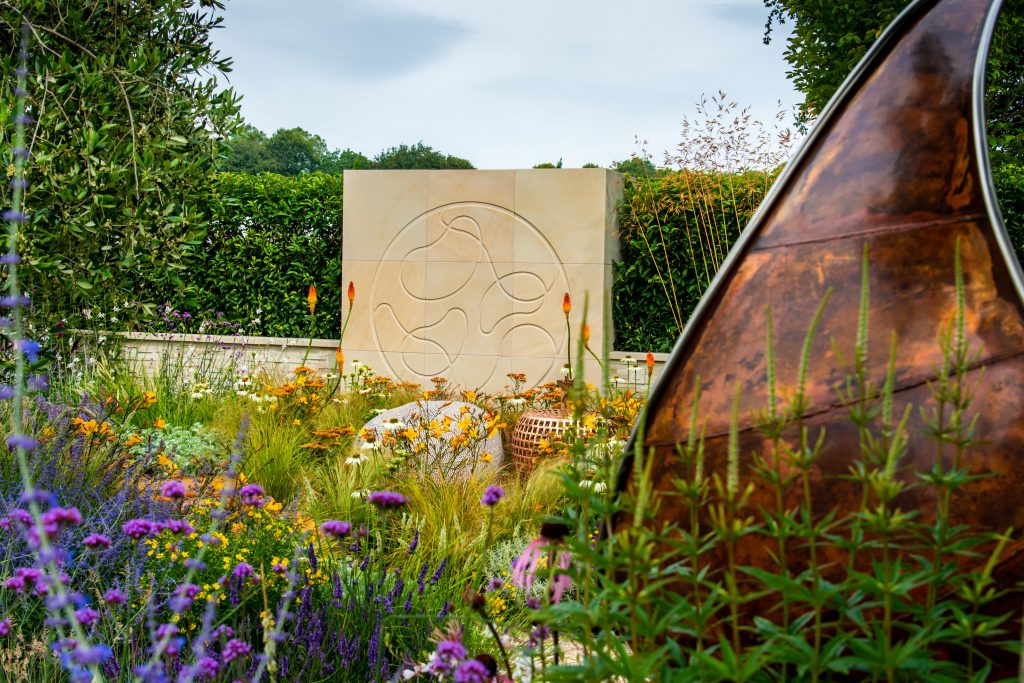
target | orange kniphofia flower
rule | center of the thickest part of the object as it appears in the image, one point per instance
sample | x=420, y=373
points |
x=311, y=298
x=566, y=304
x=351, y=292
x=339, y=358
x=650, y=364
x=585, y=333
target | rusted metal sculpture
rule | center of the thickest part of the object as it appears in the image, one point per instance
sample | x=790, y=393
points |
x=897, y=162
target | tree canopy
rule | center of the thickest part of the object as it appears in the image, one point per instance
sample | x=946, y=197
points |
x=128, y=121
x=417, y=156
x=295, y=151
x=828, y=38
x=289, y=151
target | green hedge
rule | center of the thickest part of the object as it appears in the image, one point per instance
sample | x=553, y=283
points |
x=1009, y=182
x=675, y=227
x=271, y=238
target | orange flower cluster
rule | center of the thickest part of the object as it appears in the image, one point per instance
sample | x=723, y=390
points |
x=333, y=437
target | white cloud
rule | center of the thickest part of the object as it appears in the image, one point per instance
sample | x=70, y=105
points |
x=502, y=84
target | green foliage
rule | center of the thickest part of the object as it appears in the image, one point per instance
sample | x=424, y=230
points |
x=289, y=151
x=128, y=124
x=828, y=39
x=1004, y=100
x=417, y=156
x=192, y=449
x=1009, y=182
x=548, y=164
x=639, y=166
x=666, y=258
x=272, y=237
x=876, y=592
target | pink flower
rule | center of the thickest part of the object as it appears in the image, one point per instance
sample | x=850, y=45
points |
x=524, y=569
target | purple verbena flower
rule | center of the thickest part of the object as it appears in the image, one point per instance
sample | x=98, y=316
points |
x=176, y=526
x=242, y=570
x=448, y=654
x=173, y=488
x=5, y=627
x=235, y=649
x=387, y=499
x=336, y=528
x=492, y=496
x=87, y=616
x=252, y=494
x=206, y=667
x=115, y=597
x=472, y=671
x=140, y=528
x=96, y=542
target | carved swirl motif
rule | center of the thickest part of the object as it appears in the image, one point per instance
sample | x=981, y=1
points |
x=458, y=264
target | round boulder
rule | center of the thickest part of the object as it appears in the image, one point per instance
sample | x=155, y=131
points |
x=451, y=437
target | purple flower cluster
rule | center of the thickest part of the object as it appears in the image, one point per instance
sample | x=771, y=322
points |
x=142, y=528
x=387, y=499
x=472, y=671
x=87, y=616
x=252, y=495
x=236, y=649
x=492, y=496
x=26, y=579
x=447, y=656
x=173, y=488
x=336, y=529
x=96, y=542
x=243, y=570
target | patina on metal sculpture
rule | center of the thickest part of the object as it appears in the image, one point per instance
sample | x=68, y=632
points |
x=897, y=162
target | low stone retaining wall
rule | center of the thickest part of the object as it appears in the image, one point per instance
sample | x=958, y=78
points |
x=283, y=354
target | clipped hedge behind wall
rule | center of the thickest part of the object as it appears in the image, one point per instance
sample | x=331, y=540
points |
x=272, y=237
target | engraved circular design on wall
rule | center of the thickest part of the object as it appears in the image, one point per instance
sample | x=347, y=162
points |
x=463, y=286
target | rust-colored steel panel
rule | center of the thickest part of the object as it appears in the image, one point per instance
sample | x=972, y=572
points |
x=898, y=163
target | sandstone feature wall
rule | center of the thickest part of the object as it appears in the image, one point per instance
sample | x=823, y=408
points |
x=462, y=273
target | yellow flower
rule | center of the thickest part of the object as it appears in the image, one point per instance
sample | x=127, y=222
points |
x=486, y=457
x=160, y=423
x=149, y=398
x=132, y=440
x=296, y=421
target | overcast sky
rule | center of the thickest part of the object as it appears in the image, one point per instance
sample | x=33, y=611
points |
x=503, y=84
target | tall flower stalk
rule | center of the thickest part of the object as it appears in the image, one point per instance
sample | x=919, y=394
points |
x=22, y=443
